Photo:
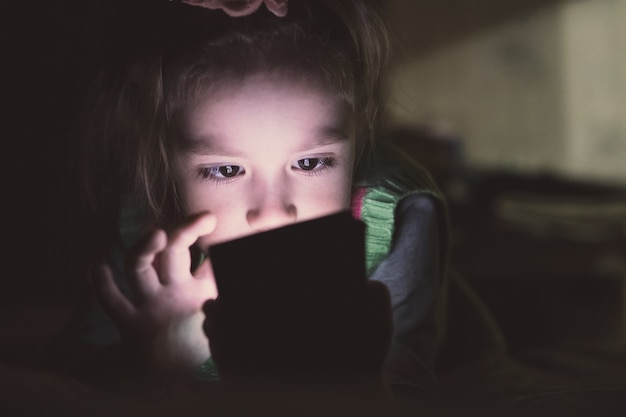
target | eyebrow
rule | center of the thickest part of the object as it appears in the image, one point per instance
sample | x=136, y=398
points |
x=205, y=145
x=208, y=145
x=330, y=135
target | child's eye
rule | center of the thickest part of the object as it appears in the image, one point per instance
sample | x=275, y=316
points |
x=314, y=164
x=221, y=173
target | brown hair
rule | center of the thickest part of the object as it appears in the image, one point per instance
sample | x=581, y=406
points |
x=342, y=44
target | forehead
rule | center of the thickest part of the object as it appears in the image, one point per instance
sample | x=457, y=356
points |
x=266, y=104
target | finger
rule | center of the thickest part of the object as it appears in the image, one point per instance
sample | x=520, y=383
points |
x=175, y=259
x=109, y=295
x=204, y=273
x=143, y=277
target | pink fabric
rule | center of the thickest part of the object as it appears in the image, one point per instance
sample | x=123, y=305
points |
x=357, y=202
x=237, y=8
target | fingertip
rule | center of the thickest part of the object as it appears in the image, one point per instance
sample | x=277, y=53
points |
x=209, y=221
x=151, y=242
x=158, y=238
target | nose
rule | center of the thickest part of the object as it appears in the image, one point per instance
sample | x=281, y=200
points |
x=271, y=207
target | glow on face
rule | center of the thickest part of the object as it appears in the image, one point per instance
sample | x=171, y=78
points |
x=264, y=153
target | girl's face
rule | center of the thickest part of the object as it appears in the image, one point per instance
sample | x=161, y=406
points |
x=263, y=153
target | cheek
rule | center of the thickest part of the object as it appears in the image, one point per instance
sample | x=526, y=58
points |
x=191, y=197
x=326, y=198
x=195, y=201
x=343, y=191
x=231, y=224
x=225, y=202
x=193, y=193
x=206, y=197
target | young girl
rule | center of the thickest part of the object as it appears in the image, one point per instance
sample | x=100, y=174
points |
x=233, y=118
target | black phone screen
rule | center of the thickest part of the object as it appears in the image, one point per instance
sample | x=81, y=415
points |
x=324, y=252
x=281, y=290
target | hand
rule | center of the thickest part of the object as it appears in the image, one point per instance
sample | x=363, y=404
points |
x=163, y=322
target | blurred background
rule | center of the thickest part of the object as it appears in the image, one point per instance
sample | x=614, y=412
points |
x=519, y=111
x=518, y=108
x=533, y=86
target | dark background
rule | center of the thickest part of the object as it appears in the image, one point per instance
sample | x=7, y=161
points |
x=51, y=52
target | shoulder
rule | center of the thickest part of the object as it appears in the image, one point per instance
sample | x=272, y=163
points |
x=391, y=178
x=396, y=192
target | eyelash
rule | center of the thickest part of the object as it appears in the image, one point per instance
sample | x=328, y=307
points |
x=322, y=165
x=212, y=174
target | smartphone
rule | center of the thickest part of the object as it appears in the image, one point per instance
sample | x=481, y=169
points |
x=282, y=290
x=298, y=259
